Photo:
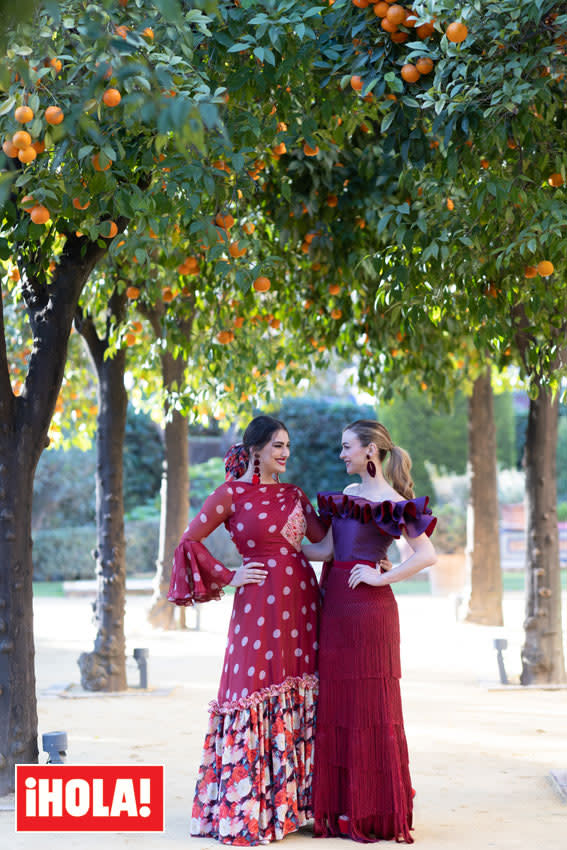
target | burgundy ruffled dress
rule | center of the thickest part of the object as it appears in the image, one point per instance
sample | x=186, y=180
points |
x=254, y=783
x=361, y=763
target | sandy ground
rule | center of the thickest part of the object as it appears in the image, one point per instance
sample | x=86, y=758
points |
x=480, y=753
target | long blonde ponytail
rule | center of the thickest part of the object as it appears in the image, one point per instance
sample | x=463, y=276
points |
x=399, y=465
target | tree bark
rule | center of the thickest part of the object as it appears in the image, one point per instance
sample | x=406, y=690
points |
x=24, y=425
x=174, y=484
x=104, y=668
x=484, y=605
x=542, y=653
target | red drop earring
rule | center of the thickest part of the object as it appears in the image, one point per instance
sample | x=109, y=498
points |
x=371, y=468
x=256, y=473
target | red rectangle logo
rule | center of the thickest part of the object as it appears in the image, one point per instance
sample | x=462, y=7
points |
x=89, y=798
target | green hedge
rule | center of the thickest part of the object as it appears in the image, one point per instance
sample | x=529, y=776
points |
x=63, y=554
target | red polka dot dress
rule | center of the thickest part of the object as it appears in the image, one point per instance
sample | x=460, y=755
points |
x=254, y=783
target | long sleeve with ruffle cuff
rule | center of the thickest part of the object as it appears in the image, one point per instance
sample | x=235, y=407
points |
x=196, y=576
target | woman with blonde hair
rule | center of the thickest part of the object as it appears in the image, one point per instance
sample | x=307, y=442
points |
x=361, y=783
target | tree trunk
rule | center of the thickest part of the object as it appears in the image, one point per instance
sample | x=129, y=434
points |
x=174, y=488
x=484, y=604
x=18, y=710
x=104, y=669
x=542, y=652
x=24, y=425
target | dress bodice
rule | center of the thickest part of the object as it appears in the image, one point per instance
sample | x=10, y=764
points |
x=364, y=530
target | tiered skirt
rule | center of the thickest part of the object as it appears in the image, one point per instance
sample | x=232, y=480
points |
x=361, y=757
x=255, y=780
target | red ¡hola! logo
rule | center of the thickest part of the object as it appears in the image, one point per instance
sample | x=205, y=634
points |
x=89, y=798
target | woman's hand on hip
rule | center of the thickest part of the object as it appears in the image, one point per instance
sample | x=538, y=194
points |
x=364, y=574
x=249, y=574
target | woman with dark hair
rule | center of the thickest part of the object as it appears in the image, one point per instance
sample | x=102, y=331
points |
x=254, y=783
x=361, y=785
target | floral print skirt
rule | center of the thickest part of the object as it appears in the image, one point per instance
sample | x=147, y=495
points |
x=254, y=784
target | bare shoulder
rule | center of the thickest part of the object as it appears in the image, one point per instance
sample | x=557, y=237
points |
x=351, y=489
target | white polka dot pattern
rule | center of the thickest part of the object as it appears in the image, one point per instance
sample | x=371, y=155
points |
x=273, y=622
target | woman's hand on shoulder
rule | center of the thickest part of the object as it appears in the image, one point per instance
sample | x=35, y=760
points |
x=253, y=572
x=364, y=574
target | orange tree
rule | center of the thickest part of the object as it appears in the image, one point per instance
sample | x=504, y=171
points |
x=110, y=116
x=451, y=236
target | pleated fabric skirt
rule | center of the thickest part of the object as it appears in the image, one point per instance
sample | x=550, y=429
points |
x=361, y=757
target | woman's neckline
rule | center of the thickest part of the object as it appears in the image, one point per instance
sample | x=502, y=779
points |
x=251, y=483
x=365, y=499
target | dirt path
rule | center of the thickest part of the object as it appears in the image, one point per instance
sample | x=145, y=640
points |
x=480, y=757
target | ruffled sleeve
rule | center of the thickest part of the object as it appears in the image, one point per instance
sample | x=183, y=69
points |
x=412, y=516
x=196, y=576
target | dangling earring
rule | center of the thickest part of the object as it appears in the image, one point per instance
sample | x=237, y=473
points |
x=371, y=467
x=256, y=474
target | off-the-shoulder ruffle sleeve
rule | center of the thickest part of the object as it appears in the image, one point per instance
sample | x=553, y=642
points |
x=196, y=576
x=393, y=518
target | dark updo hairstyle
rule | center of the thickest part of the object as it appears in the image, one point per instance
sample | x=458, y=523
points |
x=260, y=431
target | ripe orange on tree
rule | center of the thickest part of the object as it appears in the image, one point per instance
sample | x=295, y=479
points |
x=555, y=179
x=235, y=251
x=332, y=200
x=130, y=339
x=132, y=292
x=456, y=32
x=424, y=65
x=28, y=203
x=23, y=114
x=224, y=221
x=399, y=37
x=545, y=268
x=225, y=337
x=336, y=313
x=410, y=73
x=361, y=4
x=396, y=14
x=239, y=321
x=280, y=149
x=381, y=9
x=111, y=97
x=334, y=288
x=57, y=64
x=38, y=146
x=248, y=228
x=425, y=30
x=530, y=271
x=450, y=204
x=262, y=284
x=309, y=151
x=54, y=115
x=21, y=139
x=167, y=294
x=112, y=230
x=9, y=148
x=388, y=26
x=26, y=155
x=148, y=33
x=96, y=163
x=356, y=82
x=40, y=214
